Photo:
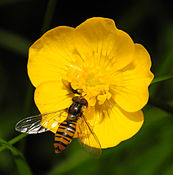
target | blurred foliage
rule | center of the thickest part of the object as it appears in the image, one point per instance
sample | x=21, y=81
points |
x=149, y=152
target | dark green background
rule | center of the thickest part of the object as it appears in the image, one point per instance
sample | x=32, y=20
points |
x=150, y=152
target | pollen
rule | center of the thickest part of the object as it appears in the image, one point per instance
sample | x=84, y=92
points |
x=93, y=80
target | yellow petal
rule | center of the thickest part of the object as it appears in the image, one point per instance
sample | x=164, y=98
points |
x=51, y=55
x=99, y=41
x=130, y=84
x=51, y=96
x=116, y=126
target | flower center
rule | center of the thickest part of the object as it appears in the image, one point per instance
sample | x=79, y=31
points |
x=93, y=80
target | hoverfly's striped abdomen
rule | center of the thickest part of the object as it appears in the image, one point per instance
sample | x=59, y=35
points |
x=64, y=135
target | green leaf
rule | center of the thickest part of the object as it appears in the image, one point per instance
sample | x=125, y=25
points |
x=21, y=164
x=6, y=2
x=162, y=78
x=162, y=105
x=74, y=160
x=169, y=170
x=14, y=42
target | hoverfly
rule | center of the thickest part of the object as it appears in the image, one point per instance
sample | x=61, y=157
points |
x=67, y=128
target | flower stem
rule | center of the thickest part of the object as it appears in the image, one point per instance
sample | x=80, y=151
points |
x=17, y=138
x=14, y=140
x=48, y=15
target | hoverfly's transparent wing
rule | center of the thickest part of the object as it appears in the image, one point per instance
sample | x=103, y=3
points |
x=30, y=125
x=88, y=138
x=41, y=123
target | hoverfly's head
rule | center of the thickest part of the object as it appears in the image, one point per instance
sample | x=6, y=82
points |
x=82, y=101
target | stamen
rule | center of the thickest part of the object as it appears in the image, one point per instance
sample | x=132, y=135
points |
x=91, y=81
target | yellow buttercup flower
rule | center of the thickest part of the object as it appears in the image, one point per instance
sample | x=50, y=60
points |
x=112, y=72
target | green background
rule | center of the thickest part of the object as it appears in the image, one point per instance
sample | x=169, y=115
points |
x=150, y=152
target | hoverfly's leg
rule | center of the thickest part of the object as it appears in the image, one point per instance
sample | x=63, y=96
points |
x=66, y=109
x=76, y=91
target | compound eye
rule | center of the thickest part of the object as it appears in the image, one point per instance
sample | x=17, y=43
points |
x=75, y=99
x=83, y=102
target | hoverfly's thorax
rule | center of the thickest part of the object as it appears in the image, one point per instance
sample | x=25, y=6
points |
x=74, y=111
